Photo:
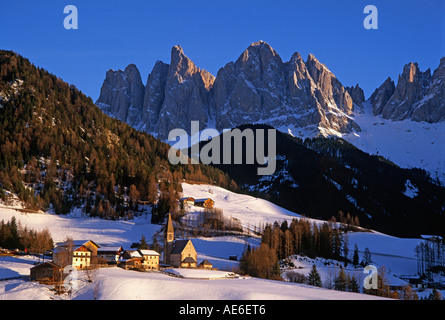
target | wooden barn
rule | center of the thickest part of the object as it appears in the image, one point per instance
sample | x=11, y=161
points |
x=46, y=272
x=131, y=259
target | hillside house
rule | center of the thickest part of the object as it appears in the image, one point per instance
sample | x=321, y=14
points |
x=187, y=200
x=205, y=203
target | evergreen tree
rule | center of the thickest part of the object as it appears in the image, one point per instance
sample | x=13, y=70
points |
x=340, y=282
x=367, y=257
x=314, y=278
x=143, y=243
x=353, y=285
x=355, y=257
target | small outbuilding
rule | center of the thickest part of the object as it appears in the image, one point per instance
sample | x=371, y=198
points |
x=205, y=264
x=46, y=272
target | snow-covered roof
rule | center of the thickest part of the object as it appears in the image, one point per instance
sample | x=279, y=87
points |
x=77, y=243
x=109, y=249
x=203, y=199
x=147, y=252
x=134, y=253
x=62, y=248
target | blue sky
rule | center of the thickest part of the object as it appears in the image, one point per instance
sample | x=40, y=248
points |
x=112, y=34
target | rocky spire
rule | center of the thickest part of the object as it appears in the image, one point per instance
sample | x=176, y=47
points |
x=122, y=94
x=187, y=95
x=381, y=95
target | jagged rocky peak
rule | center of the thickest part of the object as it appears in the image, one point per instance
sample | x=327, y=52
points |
x=357, y=94
x=186, y=96
x=154, y=94
x=260, y=87
x=381, y=95
x=431, y=108
x=334, y=93
x=182, y=67
x=122, y=94
x=259, y=52
x=418, y=95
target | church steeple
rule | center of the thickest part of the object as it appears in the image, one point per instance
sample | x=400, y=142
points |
x=169, y=232
x=169, y=238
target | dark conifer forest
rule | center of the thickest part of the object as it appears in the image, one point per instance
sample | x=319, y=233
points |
x=58, y=150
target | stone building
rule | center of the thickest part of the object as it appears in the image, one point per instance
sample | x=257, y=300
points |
x=178, y=253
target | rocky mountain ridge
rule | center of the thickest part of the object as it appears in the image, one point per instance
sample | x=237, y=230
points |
x=302, y=97
x=257, y=88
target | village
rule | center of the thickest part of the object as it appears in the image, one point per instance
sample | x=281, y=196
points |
x=181, y=255
x=88, y=254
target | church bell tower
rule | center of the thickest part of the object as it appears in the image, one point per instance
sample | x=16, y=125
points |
x=169, y=237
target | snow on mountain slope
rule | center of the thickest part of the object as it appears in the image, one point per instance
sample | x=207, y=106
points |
x=407, y=143
x=249, y=210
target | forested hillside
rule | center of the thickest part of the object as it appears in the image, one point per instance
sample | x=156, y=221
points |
x=318, y=177
x=58, y=150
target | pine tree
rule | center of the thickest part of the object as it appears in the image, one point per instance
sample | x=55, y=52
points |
x=353, y=285
x=355, y=257
x=314, y=278
x=340, y=282
x=367, y=257
x=143, y=243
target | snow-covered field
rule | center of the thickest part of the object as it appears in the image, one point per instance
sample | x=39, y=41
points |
x=119, y=284
x=115, y=283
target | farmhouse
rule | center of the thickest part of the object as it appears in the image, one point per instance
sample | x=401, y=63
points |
x=79, y=253
x=178, y=253
x=151, y=259
x=205, y=203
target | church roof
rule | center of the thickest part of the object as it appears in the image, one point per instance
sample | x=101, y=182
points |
x=179, y=246
x=189, y=260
